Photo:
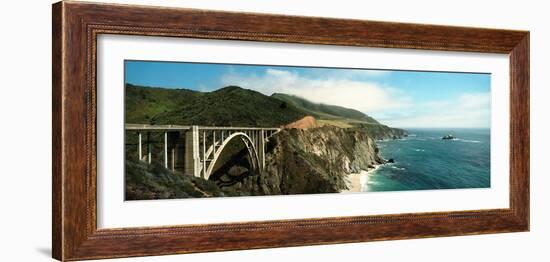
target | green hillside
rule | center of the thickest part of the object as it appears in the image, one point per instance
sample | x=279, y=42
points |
x=235, y=106
x=142, y=104
x=323, y=111
x=228, y=106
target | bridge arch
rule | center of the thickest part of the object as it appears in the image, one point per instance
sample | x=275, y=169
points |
x=249, y=144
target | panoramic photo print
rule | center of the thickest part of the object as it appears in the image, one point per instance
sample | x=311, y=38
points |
x=195, y=130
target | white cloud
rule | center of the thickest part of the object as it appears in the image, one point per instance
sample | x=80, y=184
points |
x=329, y=89
x=358, y=90
x=474, y=101
x=357, y=74
x=468, y=110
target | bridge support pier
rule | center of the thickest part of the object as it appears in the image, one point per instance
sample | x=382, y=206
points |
x=166, y=150
x=192, y=156
x=140, y=156
x=149, y=149
x=173, y=156
x=261, y=149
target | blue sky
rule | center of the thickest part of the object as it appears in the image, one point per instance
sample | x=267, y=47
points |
x=396, y=98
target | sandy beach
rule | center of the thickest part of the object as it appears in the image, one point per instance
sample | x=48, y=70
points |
x=357, y=182
x=354, y=182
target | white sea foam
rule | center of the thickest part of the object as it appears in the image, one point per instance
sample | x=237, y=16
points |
x=370, y=183
x=398, y=168
x=467, y=141
x=363, y=180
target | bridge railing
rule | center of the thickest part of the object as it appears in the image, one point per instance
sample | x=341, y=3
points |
x=143, y=127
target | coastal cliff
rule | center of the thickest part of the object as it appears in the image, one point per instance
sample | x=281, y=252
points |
x=317, y=149
x=383, y=132
x=307, y=161
x=298, y=161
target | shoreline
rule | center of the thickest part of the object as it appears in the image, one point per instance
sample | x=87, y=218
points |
x=356, y=182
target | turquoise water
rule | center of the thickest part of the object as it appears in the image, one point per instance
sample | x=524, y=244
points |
x=425, y=161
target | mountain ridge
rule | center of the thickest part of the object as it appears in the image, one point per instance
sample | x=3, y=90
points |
x=325, y=111
x=237, y=106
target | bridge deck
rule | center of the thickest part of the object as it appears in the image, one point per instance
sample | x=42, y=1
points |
x=142, y=127
x=139, y=127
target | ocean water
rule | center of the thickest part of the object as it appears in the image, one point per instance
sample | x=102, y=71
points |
x=425, y=161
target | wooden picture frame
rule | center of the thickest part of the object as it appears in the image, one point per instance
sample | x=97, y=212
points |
x=76, y=26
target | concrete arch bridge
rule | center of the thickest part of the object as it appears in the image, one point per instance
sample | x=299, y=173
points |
x=195, y=150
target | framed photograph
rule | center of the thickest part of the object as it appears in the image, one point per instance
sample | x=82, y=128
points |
x=181, y=130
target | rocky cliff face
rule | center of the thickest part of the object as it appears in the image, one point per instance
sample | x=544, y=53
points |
x=298, y=161
x=380, y=132
x=315, y=160
x=156, y=182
